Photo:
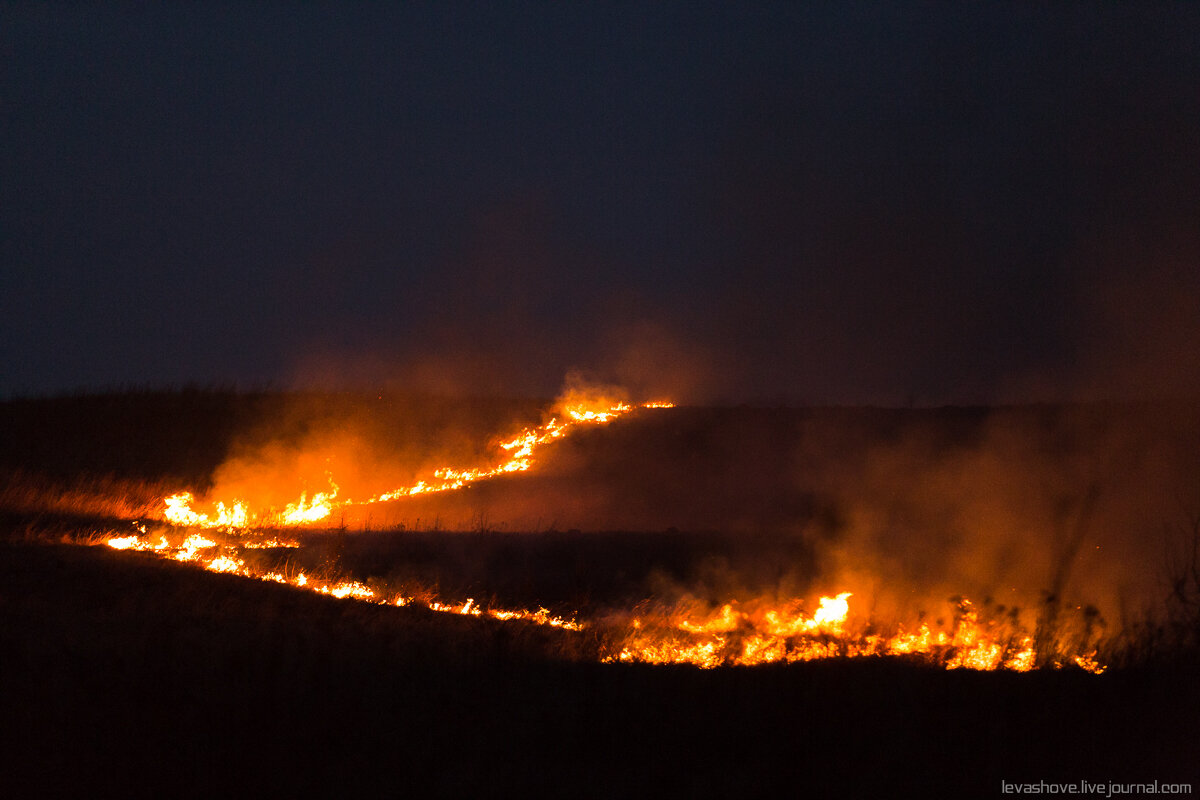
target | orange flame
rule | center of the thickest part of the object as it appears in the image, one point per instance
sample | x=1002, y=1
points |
x=730, y=636
x=214, y=557
x=305, y=509
x=733, y=635
x=179, y=512
x=518, y=456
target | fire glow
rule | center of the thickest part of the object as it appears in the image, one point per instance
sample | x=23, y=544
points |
x=225, y=558
x=755, y=632
x=759, y=633
x=517, y=455
x=770, y=634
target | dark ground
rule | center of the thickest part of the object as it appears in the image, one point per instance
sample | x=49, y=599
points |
x=128, y=675
x=124, y=675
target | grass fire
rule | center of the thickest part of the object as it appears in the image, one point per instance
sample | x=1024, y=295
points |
x=517, y=454
x=605, y=551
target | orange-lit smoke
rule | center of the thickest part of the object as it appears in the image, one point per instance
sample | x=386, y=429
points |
x=754, y=634
x=277, y=465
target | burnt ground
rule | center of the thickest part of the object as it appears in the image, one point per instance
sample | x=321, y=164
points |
x=130, y=676
x=124, y=675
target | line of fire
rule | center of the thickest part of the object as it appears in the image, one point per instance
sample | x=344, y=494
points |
x=218, y=534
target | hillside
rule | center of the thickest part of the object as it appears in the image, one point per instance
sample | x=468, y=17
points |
x=123, y=672
x=145, y=678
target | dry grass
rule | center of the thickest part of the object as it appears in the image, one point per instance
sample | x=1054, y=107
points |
x=86, y=496
x=128, y=674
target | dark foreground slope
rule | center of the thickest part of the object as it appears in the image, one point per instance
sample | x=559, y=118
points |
x=125, y=676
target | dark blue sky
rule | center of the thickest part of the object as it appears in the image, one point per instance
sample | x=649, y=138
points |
x=843, y=203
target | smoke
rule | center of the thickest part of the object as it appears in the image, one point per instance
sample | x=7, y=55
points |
x=1032, y=506
x=356, y=446
x=653, y=357
x=1143, y=340
x=1023, y=509
x=1126, y=320
x=360, y=445
x=578, y=390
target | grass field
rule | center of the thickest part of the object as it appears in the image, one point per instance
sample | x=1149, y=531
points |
x=123, y=673
x=156, y=679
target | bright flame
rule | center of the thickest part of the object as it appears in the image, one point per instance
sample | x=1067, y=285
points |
x=832, y=613
x=124, y=542
x=517, y=456
x=310, y=509
x=759, y=635
x=214, y=557
x=179, y=512
x=193, y=545
x=730, y=636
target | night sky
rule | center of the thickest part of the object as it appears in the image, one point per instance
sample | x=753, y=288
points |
x=881, y=204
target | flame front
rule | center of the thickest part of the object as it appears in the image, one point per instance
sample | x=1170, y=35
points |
x=519, y=450
x=517, y=455
x=767, y=634
x=225, y=558
x=313, y=509
x=179, y=511
x=759, y=633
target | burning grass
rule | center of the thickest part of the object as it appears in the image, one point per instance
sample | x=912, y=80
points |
x=760, y=631
x=98, y=496
x=720, y=661
x=715, y=620
x=146, y=676
x=257, y=556
x=513, y=455
x=848, y=542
